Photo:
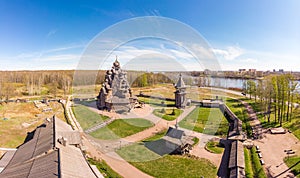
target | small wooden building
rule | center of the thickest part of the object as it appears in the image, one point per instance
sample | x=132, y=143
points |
x=174, y=142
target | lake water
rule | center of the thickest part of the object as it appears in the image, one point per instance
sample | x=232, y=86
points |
x=222, y=82
x=228, y=82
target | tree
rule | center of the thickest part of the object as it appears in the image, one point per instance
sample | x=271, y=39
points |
x=1, y=85
x=9, y=90
x=53, y=88
x=144, y=80
x=251, y=88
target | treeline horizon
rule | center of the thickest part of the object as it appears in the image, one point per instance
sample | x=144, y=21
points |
x=53, y=82
x=60, y=82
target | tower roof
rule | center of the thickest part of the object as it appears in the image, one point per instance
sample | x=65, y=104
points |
x=116, y=63
x=180, y=83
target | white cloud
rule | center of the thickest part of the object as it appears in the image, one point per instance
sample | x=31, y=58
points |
x=161, y=55
x=249, y=60
x=181, y=54
x=154, y=62
x=62, y=57
x=28, y=55
x=64, y=48
x=202, y=52
x=49, y=52
x=230, y=53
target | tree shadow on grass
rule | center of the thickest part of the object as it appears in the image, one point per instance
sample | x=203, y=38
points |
x=294, y=171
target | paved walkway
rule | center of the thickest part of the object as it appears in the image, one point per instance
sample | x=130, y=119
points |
x=71, y=116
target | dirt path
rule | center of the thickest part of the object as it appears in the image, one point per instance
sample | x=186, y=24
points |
x=200, y=151
x=255, y=124
x=272, y=148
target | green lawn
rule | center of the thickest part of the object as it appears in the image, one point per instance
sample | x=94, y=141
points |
x=294, y=162
x=156, y=136
x=257, y=168
x=253, y=168
x=293, y=125
x=156, y=102
x=167, y=114
x=248, y=163
x=121, y=128
x=196, y=141
x=239, y=110
x=211, y=119
x=214, y=147
x=137, y=152
x=167, y=166
x=104, y=168
x=86, y=117
x=178, y=166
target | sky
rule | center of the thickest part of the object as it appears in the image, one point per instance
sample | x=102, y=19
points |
x=51, y=35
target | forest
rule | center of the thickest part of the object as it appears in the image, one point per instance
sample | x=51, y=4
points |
x=61, y=82
x=276, y=95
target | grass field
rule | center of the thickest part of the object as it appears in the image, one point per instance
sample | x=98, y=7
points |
x=167, y=166
x=156, y=102
x=104, y=168
x=163, y=90
x=86, y=117
x=206, y=120
x=22, y=118
x=214, y=147
x=248, y=163
x=257, y=168
x=137, y=152
x=239, y=110
x=156, y=136
x=294, y=162
x=253, y=168
x=196, y=93
x=177, y=166
x=167, y=114
x=121, y=128
x=293, y=125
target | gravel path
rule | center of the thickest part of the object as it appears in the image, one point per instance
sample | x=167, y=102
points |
x=272, y=147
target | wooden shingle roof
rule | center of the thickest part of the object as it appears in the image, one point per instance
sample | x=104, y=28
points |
x=44, y=156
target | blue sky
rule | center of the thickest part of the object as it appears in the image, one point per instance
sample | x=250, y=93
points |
x=242, y=34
